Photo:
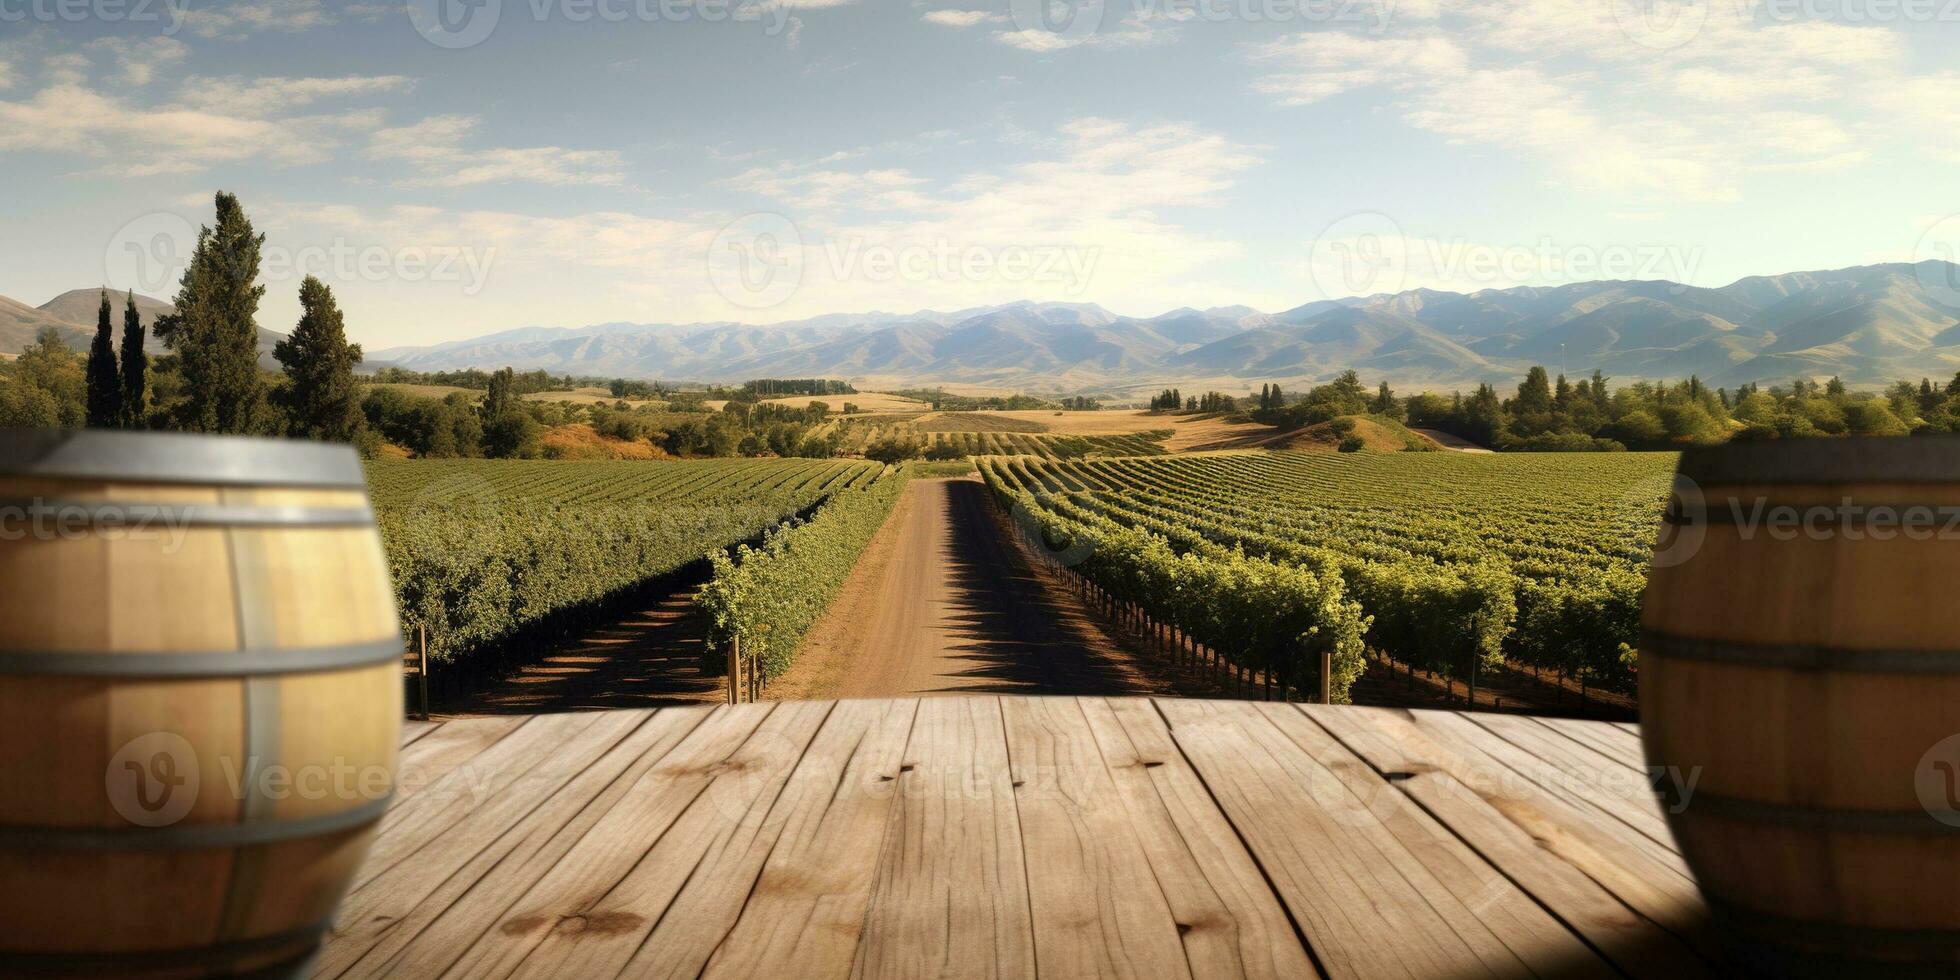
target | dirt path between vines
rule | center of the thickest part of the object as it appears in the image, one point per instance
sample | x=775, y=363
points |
x=942, y=603
x=648, y=659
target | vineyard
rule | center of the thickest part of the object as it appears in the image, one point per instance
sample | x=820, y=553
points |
x=487, y=552
x=1459, y=561
x=991, y=435
x=769, y=596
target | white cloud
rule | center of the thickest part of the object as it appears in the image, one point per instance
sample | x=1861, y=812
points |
x=1096, y=190
x=137, y=60
x=434, y=147
x=241, y=19
x=960, y=18
x=1683, y=105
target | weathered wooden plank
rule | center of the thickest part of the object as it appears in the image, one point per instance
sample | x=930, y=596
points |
x=808, y=907
x=418, y=918
x=1580, y=875
x=1366, y=905
x=1232, y=924
x=435, y=755
x=426, y=817
x=951, y=894
x=1485, y=898
x=689, y=885
x=567, y=899
x=1628, y=796
x=1556, y=783
x=414, y=728
x=1098, y=910
x=1607, y=740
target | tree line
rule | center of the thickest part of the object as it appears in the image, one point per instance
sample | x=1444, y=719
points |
x=1547, y=413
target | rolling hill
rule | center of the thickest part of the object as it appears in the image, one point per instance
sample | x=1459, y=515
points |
x=73, y=314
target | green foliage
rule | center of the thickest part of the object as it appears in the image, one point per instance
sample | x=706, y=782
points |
x=1266, y=615
x=1351, y=443
x=1458, y=559
x=893, y=450
x=319, y=395
x=44, y=388
x=509, y=431
x=134, y=368
x=104, y=383
x=769, y=596
x=483, y=552
x=214, y=331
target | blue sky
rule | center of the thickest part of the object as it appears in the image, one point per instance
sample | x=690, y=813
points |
x=586, y=161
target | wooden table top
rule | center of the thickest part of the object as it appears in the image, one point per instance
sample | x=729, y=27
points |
x=1021, y=835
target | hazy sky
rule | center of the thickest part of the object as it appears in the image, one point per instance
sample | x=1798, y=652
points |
x=453, y=167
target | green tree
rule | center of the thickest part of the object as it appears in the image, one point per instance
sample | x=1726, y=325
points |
x=1385, y=403
x=48, y=389
x=319, y=395
x=135, y=367
x=104, y=387
x=214, y=330
x=509, y=432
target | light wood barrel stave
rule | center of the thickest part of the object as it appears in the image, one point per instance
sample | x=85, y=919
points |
x=248, y=617
x=1800, y=676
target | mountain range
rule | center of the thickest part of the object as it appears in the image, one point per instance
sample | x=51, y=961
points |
x=72, y=315
x=1870, y=325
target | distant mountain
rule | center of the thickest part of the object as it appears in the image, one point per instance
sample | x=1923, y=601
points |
x=73, y=315
x=1870, y=325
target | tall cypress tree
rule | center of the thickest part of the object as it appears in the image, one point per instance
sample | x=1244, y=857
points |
x=215, y=330
x=319, y=395
x=104, y=386
x=135, y=368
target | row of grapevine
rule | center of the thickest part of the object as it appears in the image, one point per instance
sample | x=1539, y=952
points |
x=1272, y=618
x=853, y=435
x=1459, y=560
x=770, y=596
x=501, y=553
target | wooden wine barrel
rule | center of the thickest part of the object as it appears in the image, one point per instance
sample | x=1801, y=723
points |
x=200, y=700
x=1800, y=699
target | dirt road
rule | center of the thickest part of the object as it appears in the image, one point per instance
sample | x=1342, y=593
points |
x=942, y=603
